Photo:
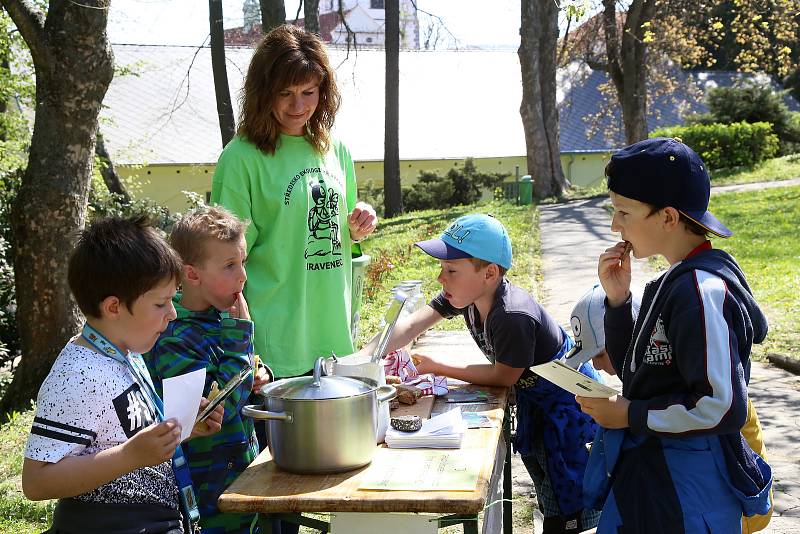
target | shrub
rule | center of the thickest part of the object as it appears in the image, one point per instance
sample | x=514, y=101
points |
x=752, y=103
x=727, y=145
x=458, y=187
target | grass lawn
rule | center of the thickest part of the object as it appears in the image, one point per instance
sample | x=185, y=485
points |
x=766, y=245
x=17, y=514
x=395, y=258
x=784, y=168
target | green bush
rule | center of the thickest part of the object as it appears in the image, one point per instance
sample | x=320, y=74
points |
x=752, y=103
x=457, y=188
x=727, y=145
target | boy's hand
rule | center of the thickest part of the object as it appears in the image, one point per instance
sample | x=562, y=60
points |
x=153, y=445
x=614, y=272
x=211, y=424
x=362, y=221
x=603, y=363
x=424, y=363
x=609, y=413
x=240, y=310
x=260, y=379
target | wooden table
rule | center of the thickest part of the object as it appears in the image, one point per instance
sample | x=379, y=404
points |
x=266, y=489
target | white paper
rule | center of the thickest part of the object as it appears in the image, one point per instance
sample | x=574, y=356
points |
x=573, y=381
x=444, y=431
x=182, y=399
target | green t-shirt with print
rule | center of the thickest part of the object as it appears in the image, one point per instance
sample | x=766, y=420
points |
x=298, y=242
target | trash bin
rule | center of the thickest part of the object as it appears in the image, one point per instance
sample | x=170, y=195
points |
x=359, y=265
x=526, y=189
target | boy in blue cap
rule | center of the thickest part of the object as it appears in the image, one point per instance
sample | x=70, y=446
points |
x=671, y=457
x=514, y=332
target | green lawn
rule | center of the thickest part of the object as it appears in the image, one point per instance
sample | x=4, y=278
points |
x=784, y=168
x=395, y=258
x=767, y=246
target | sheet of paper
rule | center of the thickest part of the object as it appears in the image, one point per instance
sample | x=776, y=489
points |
x=424, y=470
x=573, y=381
x=182, y=399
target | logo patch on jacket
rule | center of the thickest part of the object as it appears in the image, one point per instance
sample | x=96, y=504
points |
x=659, y=351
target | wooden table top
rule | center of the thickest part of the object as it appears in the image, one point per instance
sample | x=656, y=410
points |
x=263, y=487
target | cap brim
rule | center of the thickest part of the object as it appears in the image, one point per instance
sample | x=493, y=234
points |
x=441, y=250
x=709, y=222
x=577, y=357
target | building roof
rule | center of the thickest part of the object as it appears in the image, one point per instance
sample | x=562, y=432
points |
x=453, y=104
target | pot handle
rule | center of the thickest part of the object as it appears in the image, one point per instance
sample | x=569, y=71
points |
x=253, y=411
x=386, y=393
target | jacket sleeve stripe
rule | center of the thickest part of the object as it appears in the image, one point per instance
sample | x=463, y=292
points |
x=709, y=410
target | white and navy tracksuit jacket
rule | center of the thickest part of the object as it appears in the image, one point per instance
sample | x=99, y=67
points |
x=682, y=465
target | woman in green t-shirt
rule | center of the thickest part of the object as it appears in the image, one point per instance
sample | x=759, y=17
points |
x=285, y=173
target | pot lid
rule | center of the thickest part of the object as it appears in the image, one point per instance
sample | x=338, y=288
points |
x=316, y=387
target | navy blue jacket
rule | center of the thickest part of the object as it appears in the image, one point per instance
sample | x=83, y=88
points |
x=684, y=367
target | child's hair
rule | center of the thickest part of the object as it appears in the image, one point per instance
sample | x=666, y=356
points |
x=190, y=234
x=480, y=264
x=287, y=56
x=119, y=257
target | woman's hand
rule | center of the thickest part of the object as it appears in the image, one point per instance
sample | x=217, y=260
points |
x=614, y=272
x=362, y=221
x=609, y=413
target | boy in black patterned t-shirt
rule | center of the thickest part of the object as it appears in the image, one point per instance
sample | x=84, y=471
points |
x=96, y=443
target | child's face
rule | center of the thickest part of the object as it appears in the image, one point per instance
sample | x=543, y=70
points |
x=461, y=282
x=222, y=273
x=149, y=315
x=633, y=221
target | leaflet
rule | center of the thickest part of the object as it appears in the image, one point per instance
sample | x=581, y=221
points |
x=573, y=381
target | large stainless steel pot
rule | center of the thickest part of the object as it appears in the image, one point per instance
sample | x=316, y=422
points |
x=321, y=424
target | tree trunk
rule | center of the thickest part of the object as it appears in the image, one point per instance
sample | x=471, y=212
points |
x=108, y=172
x=537, y=58
x=311, y=14
x=392, y=193
x=227, y=124
x=627, y=64
x=74, y=66
x=273, y=14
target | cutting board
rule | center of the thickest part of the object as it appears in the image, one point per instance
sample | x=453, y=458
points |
x=422, y=408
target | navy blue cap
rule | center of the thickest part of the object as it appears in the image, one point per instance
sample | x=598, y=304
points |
x=665, y=172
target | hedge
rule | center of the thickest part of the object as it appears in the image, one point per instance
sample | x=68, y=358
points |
x=727, y=145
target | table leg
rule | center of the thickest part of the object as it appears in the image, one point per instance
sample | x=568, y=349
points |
x=265, y=522
x=507, y=496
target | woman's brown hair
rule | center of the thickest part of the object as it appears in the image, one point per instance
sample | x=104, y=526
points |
x=287, y=56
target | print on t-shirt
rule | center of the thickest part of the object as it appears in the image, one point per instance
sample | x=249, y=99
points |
x=324, y=238
x=132, y=411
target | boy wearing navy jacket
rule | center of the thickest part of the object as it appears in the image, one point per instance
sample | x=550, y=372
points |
x=671, y=457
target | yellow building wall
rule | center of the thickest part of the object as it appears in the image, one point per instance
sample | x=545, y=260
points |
x=165, y=183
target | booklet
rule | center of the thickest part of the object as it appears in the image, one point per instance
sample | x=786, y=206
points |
x=573, y=381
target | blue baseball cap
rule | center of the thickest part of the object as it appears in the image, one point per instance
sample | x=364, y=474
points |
x=665, y=172
x=472, y=236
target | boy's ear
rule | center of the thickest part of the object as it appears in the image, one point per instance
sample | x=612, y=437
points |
x=110, y=307
x=492, y=272
x=190, y=274
x=671, y=218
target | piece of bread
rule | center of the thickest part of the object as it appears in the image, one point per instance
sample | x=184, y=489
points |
x=392, y=379
x=408, y=394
